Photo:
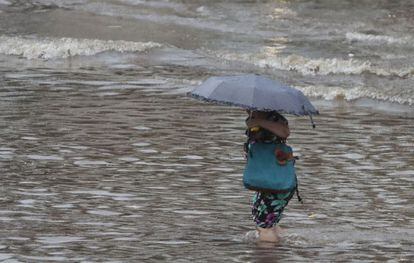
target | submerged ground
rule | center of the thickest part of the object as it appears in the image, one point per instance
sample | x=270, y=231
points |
x=103, y=158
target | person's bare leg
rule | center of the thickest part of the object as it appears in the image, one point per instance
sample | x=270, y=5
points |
x=278, y=230
x=269, y=234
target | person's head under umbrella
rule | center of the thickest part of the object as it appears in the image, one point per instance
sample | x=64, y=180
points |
x=267, y=126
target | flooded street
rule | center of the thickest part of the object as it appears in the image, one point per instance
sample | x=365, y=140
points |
x=104, y=158
x=111, y=167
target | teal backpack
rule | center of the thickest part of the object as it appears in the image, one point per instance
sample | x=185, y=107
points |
x=270, y=168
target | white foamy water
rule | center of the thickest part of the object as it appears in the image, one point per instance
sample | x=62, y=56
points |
x=308, y=66
x=350, y=94
x=315, y=66
x=54, y=48
x=378, y=39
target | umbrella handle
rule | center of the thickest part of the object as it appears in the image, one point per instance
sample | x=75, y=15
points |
x=310, y=116
x=311, y=119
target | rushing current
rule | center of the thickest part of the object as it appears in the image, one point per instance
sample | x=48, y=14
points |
x=104, y=158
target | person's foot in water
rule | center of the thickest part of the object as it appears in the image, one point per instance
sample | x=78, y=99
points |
x=269, y=234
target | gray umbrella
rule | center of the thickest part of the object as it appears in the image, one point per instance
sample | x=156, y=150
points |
x=254, y=92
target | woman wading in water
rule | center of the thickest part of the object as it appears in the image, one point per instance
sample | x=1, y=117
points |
x=267, y=207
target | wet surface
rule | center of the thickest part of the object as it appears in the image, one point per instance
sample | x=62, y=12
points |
x=118, y=165
x=104, y=159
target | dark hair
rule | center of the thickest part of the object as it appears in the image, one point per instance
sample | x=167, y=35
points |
x=276, y=116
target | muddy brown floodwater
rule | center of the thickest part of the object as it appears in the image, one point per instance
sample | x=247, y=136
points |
x=133, y=170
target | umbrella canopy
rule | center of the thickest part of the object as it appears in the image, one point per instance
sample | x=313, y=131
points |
x=254, y=92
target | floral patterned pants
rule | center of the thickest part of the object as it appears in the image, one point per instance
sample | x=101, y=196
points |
x=267, y=208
